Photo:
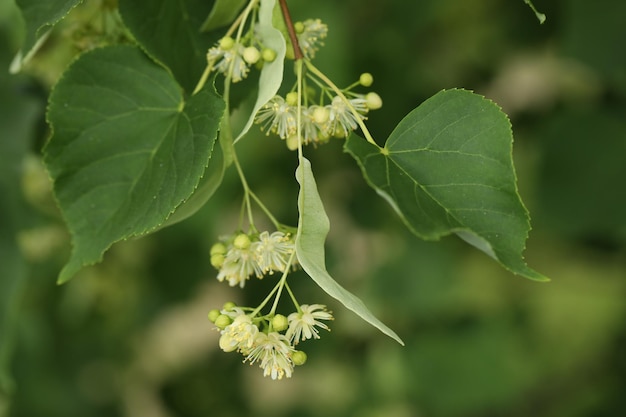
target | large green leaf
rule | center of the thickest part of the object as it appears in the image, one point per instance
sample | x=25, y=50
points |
x=447, y=168
x=169, y=30
x=222, y=13
x=313, y=226
x=272, y=73
x=210, y=182
x=40, y=16
x=126, y=148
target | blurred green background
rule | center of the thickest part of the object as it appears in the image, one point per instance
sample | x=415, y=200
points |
x=129, y=337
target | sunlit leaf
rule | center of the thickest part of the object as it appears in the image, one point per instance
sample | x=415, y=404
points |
x=272, y=73
x=122, y=163
x=447, y=168
x=222, y=13
x=313, y=226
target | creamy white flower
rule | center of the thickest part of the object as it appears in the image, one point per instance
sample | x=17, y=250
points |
x=273, y=351
x=311, y=37
x=302, y=324
x=222, y=61
x=239, y=335
x=342, y=119
x=278, y=117
x=273, y=251
x=238, y=266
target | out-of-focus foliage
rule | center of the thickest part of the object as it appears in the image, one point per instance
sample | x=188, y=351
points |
x=130, y=336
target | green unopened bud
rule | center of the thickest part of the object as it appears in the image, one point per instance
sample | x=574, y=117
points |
x=373, y=101
x=366, y=79
x=217, y=260
x=292, y=142
x=218, y=248
x=299, y=27
x=242, y=241
x=222, y=321
x=280, y=323
x=226, y=43
x=214, y=314
x=298, y=357
x=251, y=55
x=229, y=306
x=268, y=55
x=292, y=98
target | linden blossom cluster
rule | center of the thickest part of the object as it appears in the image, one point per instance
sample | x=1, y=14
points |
x=269, y=340
x=244, y=255
x=234, y=58
x=318, y=123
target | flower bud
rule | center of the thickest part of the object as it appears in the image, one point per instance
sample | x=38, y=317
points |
x=229, y=306
x=222, y=321
x=292, y=98
x=242, y=241
x=280, y=323
x=299, y=27
x=321, y=115
x=218, y=249
x=292, y=142
x=366, y=79
x=268, y=55
x=214, y=314
x=217, y=260
x=298, y=357
x=251, y=55
x=226, y=43
x=373, y=101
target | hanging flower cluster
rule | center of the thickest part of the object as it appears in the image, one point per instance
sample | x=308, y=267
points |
x=243, y=255
x=310, y=34
x=312, y=112
x=269, y=340
x=318, y=123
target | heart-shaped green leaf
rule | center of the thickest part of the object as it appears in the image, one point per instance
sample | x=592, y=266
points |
x=126, y=148
x=447, y=168
x=169, y=30
x=313, y=226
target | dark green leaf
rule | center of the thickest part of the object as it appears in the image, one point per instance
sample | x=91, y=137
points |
x=447, y=168
x=222, y=13
x=40, y=16
x=169, y=30
x=313, y=226
x=126, y=149
x=210, y=182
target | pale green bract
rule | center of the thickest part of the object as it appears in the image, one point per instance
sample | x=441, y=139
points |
x=272, y=72
x=313, y=226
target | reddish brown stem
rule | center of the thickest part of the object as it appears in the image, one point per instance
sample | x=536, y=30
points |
x=297, y=52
